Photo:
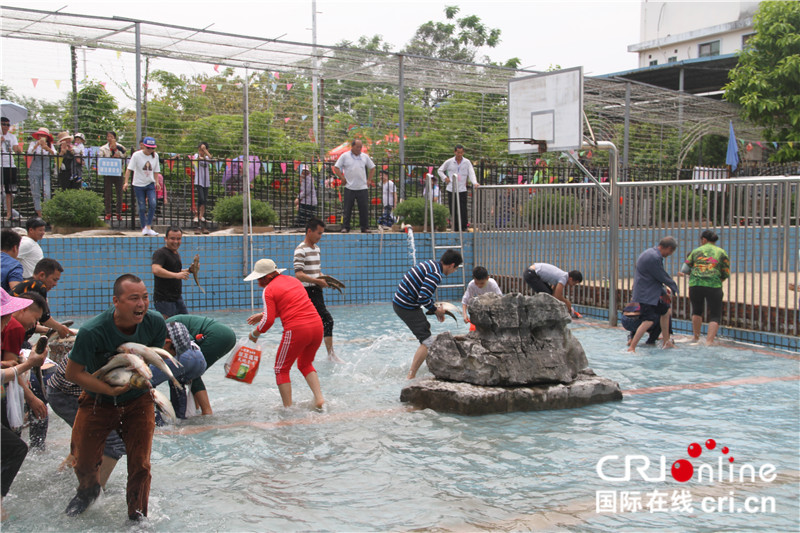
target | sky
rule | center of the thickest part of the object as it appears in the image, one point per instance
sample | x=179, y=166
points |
x=590, y=33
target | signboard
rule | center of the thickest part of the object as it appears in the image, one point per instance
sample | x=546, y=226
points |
x=109, y=166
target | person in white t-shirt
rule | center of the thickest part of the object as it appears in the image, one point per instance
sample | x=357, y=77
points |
x=481, y=284
x=30, y=252
x=8, y=145
x=355, y=168
x=389, y=199
x=144, y=165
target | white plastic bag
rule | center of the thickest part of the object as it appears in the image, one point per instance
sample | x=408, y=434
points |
x=15, y=404
x=191, y=406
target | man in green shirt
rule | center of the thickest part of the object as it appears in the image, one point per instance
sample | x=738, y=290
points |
x=215, y=340
x=708, y=266
x=104, y=408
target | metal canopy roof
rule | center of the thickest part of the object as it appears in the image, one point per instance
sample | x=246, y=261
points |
x=255, y=53
x=604, y=97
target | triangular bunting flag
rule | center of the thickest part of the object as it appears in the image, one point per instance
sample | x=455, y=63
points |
x=304, y=117
x=203, y=87
x=283, y=168
x=58, y=84
x=216, y=68
x=430, y=170
x=305, y=85
x=119, y=54
x=274, y=87
x=103, y=84
x=264, y=168
x=286, y=120
x=269, y=167
x=170, y=163
x=289, y=86
x=219, y=86
x=35, y=81
x=277, y=75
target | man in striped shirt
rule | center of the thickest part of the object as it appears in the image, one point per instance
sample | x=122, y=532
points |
x=308, y=269
x=416, y=291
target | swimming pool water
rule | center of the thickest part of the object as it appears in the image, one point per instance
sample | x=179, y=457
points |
x=370, y=463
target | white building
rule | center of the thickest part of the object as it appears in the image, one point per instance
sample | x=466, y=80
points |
x=671, y=32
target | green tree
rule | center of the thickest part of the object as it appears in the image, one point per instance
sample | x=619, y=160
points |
x=765, y=82
x=458, y=39
x=97, y=113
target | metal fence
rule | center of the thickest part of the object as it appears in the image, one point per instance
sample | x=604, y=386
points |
x=568, y=225
x=277, y=183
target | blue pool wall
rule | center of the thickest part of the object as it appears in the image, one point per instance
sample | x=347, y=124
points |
x=370, y=267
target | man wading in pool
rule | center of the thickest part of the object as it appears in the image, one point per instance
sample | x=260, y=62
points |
x=285, y=297
x=104, y=408
x=648, y=283
x=416, y=291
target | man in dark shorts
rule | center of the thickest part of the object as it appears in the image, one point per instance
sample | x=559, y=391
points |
x=308, y=269
x=416, y=291
x=648, y=282
x=168, y=276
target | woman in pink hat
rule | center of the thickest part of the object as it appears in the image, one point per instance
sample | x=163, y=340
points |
x=14, y=449
x=39, y=171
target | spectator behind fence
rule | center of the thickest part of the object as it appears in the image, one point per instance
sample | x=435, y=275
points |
x=144, y=165
x=389, y=200
x=8, y=145
x=233, y=177
x=458, y=169
x=306, y=201
x=112, y=149
x=161, y=197
x=435, y=194
x=66, y=163
x=81, y=153
x=202, y=182
x=41, y=148
x=352, y=167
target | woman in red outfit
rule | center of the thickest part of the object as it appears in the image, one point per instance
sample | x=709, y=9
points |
x=285, y=297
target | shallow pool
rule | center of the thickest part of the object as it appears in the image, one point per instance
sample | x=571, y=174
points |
x=370, y=463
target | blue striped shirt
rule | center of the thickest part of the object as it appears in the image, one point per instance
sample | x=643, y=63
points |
x=418, y=285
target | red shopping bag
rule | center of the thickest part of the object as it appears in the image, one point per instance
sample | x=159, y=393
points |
x=242, y=364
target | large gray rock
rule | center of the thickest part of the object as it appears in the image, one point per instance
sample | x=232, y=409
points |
x=520, y=340
x=522, y=357
x=468, y=399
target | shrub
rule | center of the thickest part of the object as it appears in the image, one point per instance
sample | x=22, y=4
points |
x=412, y=211
x=552, y=208
x=74, y=207
x=229, y=211
x=675, y=205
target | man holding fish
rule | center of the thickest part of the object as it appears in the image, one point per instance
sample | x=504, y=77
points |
x=416, y=291
x=168, y=275
x=104, y=407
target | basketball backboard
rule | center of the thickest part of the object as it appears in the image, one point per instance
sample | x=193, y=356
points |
x=546, y=107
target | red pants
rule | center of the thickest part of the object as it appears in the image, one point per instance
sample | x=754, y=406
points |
x=301, y=344
x=135, y=421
